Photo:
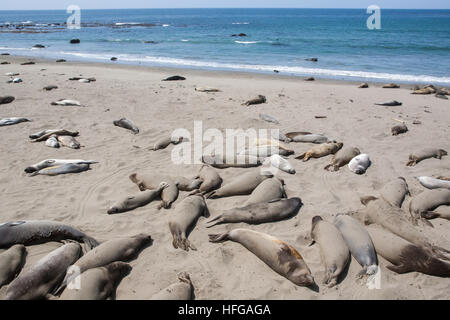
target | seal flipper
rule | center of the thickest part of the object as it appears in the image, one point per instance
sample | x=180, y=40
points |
x=216, y=238
x=214, y=221
x=301, y=157
x=400, y=269
x=367, y=199
x=430, y=215
x=90, y=242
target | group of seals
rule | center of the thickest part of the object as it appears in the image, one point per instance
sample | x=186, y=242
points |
x=11, y=262
x=343, y=157
x=422, y=205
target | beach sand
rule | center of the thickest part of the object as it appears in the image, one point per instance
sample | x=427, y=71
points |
x=227, y=270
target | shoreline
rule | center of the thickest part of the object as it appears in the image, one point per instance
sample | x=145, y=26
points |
x=212, y=72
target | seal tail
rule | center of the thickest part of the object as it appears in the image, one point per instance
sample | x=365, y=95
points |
x=90, y=242
x=217, y=238
x=301, y=157
x=215, y=221
x=430, y=215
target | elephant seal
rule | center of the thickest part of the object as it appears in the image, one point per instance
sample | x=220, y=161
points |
x=174, y=78
x=393, y=103
x=268, y=190
x=307, y=137
x=137, y=201
x=360, y=163
x=426, y=153
x=265, y=151
x=321, y=150
x=66, y=102
x=55, y=162
x=184, y=218
x=11, y=262
x=28, y=63
x=50, y=88
x=343, y=157
x=399, y=129
x=263, y=212
x=12, y=121
x=201, y=89
x=165, y=142
x=45, y=134
x=281, y=137
x=395, y=191
x=267, y=118
x=150, y=182
x=422, y=205
x=333, y=249
x=243, y=185
x=185, y=184
x=52, y=142
x=211, y=179
x=391, y=218
x=275, y=143
x=98, y=283
x=405, y=256
x=182, y=290
x=69, y=141
x=121, y=249
x=363, y=85
x=359, y=242
x=41, y=278
x=277, y=161
x=62, y=169
x=391, y=86
x=238, y=161
x=278, y=255
x=432, y=183
x=126, y=124
x=6, y=99
x=258, y=100
x=37, y=232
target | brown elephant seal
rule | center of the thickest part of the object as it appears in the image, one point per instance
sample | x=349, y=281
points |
x=137, y=201
x=238, y=161
x=45, y=134
x=426, y=153
x=275, y=210
x=211, y=179
x=395, y=191
x=381, y=212
x=278, y=255
x=165, y=142
x=258, y=100
x=69, y=141
x=359, y=242
x=11, y=262
x=41, y=278
x=391, y=86
x=363, y=85
x=126, y=124
x=265, y=151
x=399, y=129
x=422, y=205
x=185, y=184
x=405, y=256
x=37, y=232
x=243, y=185
x=268, y=190
x=6, y=99
x=98, y=283
x=121, y=249
x=184, y=218
x=183, y=290
x=333, y=249
x=343, y=157
x=321, y=150
x=150, y=182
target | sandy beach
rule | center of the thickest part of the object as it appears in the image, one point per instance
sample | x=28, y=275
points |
x=225, y=270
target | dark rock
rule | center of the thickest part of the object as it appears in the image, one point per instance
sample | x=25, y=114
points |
x=310, y=79
x=60, y=60
x=28, y=63
x=75, y=41
x=39, y=46
x=49, y=88
x=312, y=59
x=5, y=54
x=6, y=99
x=113, y=59
x=174, y=78
x=5, y=62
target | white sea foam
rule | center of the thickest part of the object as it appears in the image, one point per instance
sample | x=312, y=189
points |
x=166, y=25
x=127, y=23
x=240, y=23
x=246, y=42
x=184, y=40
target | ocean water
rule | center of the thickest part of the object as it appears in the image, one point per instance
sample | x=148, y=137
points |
x=411, y=46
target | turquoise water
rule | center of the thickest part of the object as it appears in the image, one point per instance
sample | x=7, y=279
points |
x=412, y=45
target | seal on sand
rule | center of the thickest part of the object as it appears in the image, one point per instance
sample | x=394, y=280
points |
x=422, y=205
x=275, y=210
x=12, y=121
x=268, y=190
x=399, y=129
x=69, y=141
x=359, y=242
x=6, y=99
x=211, y=179
x=55, y=162
x=126, y=124
x=432, y=183
x=278, y=255
x=225, y=161
x=426, y=153
x=307, y=137
x=37, y=232
x=393, y=103
x=184, y=218
x=165, y=142
x=333, y=249
x=182, y=290
x=279, y=162
x=150, y=182
x=174, y=78
x=258, y=100
x=98, y=283
x=243, y=185
x=62, y=169
x=321, y=150
x=11, y=262
x=405, y=256
x=359, y=164
x=395, y=191
x=38, y=281
x=342, y=157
